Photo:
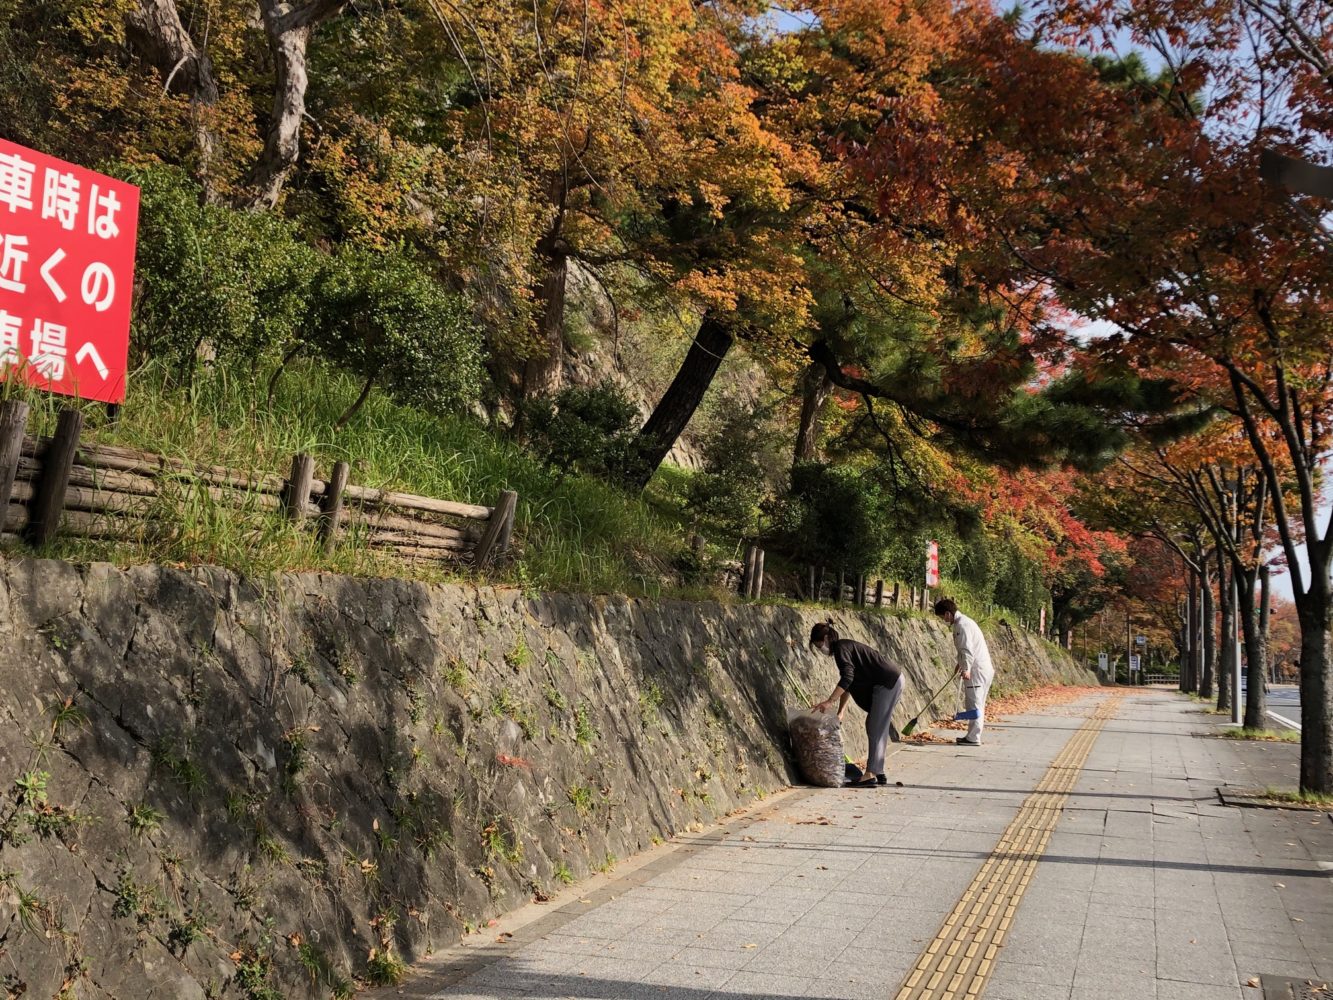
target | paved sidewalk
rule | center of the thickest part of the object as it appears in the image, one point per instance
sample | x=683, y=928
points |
x=1149, y=887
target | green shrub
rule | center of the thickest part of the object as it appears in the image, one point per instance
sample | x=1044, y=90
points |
x=587, y=429
x=727, y=492
x=214, y=281
x=383, y=317
x=834, y=515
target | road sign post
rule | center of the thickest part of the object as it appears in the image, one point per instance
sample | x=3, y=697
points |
x=67, y=237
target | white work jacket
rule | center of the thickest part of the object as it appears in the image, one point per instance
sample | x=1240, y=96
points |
x=973, y=654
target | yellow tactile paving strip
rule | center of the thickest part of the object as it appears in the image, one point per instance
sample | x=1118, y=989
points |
x=959, y=961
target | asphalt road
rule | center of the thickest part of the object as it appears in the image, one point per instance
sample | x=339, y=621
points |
x=1284, y=705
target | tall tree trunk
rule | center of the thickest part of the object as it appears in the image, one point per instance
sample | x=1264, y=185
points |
x=1192, y=681
x=1265, y=613
x=1255, y=703
x=1187, y=630
x=687, y=389
x=544, y=370
x=289, y=27
x=155, y=31
x=1314, y=609
x=1209, y=643
x=1227, y=639
x=815, y=388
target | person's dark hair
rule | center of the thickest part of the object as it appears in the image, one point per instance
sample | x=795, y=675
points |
x=944, y=606
x=822, y=631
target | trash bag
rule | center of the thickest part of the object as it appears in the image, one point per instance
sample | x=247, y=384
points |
x=816, y=739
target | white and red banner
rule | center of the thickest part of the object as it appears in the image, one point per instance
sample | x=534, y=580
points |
x=932, y=565
x=67, y=237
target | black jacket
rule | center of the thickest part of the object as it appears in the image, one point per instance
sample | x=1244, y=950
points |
x=861, y=670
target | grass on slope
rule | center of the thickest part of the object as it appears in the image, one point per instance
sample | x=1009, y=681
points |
x=572, y=532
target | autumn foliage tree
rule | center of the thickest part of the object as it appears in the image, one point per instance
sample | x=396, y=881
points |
x=1136, y=199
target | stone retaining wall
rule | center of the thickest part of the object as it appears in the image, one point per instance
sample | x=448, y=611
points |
x=224, y=787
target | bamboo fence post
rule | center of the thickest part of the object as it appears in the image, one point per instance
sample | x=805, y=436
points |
x=819, y=586
x=750, y=570
x=837, y=597
x=49, y=496
x=757, y=584
x=811, y=594
x=296, y=494
x=13, y=422
x=331, y=505
x=879, y=593
x=925, y=598
x=502, y=512
x=896, y=593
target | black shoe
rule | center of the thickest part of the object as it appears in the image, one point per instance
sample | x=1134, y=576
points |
x=964, y=741
x=882, y=779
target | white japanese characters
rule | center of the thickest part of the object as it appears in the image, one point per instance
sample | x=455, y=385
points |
x=99, y=286
x=102, y=209
x=66, y=274
x=60, y=198
x=16, y=181
x=13, y=256
x=9, y=340
x=48, y=350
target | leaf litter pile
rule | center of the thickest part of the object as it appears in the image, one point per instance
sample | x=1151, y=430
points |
x=923, y=736
x=1034, y=700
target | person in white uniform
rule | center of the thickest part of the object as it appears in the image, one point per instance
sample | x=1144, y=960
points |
x=974, y=665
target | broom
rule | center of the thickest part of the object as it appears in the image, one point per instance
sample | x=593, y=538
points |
x=910, y=728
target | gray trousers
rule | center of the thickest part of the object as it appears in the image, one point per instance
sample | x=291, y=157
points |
x=975, y=692
x=877, y=724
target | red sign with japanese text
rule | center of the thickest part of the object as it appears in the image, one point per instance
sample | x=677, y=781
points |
x=932, y=564
x=66, y=275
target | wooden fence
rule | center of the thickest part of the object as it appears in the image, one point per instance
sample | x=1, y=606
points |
x=860, y=591
x=57, y=485
x=819, y=584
